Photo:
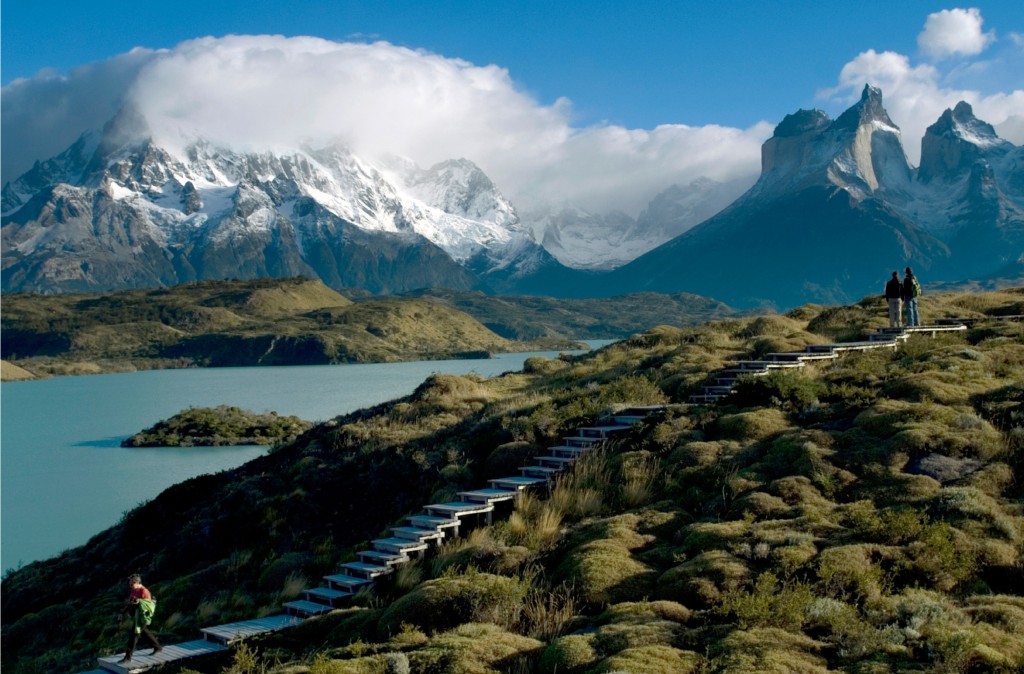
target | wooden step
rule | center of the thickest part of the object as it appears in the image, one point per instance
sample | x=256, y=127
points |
x=705, y=399
x=381, y=558
x=517, y=482
x=417, y=533
x=326, y=595
x=600, y=431
x=565, y=450
x=539, y=471
x=798, y=356
x=348, y=583
x=488, y=495
x=170, y=653
x=433, y=522
x=231, y=632
x=628, y=420
x=581, y=441
x=458, y=509
x=642, y=410
x=364, y=570
x=556, y=461
x=303, y=608
x=402, y=546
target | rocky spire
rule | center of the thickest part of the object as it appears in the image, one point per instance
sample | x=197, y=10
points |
x=868, y=109
x=956, y=141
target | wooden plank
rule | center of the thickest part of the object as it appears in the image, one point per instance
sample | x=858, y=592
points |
x=349, y=583
x=417, y=533
x=326, y=594
x=488, y=495
x=306, y=609
x=170, y=653
x=458, y=508
x=519, y=482
x=229, y=632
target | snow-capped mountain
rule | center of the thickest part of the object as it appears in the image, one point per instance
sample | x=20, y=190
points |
x=602, y=241
x=838, y=207
x=118, y=210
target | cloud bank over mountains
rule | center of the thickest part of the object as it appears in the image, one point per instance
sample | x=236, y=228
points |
x=273, y=92
x=916, y=93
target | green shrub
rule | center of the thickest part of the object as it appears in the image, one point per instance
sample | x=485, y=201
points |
x=750, y=426
x=769, y=604
x=568, y=655
x=702, y=581
x=447, y=602
x=639, y=611
x=785, y=389
x=767, y=651
x=852, y=572
x=653, y=659
x=475, y=648
x=605, y=571
x=944, y=555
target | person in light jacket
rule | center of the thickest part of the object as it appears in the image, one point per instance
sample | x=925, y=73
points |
x=140, y=607
x=894, y=296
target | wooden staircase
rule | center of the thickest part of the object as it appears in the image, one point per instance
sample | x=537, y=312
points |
x=420, y=535
x=723, y=382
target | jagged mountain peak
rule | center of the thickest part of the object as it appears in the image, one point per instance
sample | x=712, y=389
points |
x=955, y=142
x=867, y=110
x=961, y=123
x=801, y=122
x=860, y=151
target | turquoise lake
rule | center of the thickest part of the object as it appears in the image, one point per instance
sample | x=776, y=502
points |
x=64, y=476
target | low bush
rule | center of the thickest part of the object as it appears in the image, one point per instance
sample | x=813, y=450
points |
x=475, y=648
x=568, y=655
x=769, y=603
x=750, y=426
x=447, y=602
x=653, y=659
x=789, y=390
x=702, y=581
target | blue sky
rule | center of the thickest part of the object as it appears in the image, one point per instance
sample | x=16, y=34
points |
x=599, y=77
x=637, y=64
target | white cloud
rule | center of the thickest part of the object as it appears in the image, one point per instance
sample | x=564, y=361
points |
x=915, y=96
x=43, y=115
x=954, y=32
x=271, y=91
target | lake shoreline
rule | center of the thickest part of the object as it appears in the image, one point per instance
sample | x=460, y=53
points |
x=64, y=482
x=43, y=367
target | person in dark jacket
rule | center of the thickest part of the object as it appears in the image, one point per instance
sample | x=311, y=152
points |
x=911, y=291
x=894, y=296
x=140, y=607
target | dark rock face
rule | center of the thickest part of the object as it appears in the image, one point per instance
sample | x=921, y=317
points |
x=838, y=206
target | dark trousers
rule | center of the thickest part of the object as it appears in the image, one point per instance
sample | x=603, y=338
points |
x=133, y=639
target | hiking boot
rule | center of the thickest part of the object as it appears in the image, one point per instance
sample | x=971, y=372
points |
x=157, y=649
x=125, y=659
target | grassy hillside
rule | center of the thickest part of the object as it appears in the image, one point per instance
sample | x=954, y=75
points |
x=224, y=323
x=219, y=426
x=526, y=317
x=862, y=515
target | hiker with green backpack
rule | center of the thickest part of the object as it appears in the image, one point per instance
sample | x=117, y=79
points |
x=911, y=291
x=140, y=607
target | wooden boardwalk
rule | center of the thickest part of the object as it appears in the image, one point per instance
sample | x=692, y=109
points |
x=421, y=534
x=723, y=382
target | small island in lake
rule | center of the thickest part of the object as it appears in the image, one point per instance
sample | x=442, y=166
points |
x=219, y=426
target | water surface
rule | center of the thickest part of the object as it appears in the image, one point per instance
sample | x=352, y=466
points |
x=65, y=476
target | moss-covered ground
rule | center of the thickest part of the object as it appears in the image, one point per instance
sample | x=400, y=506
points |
x=861, y=515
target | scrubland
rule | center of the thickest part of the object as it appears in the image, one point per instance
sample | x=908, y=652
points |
x=862, y=515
